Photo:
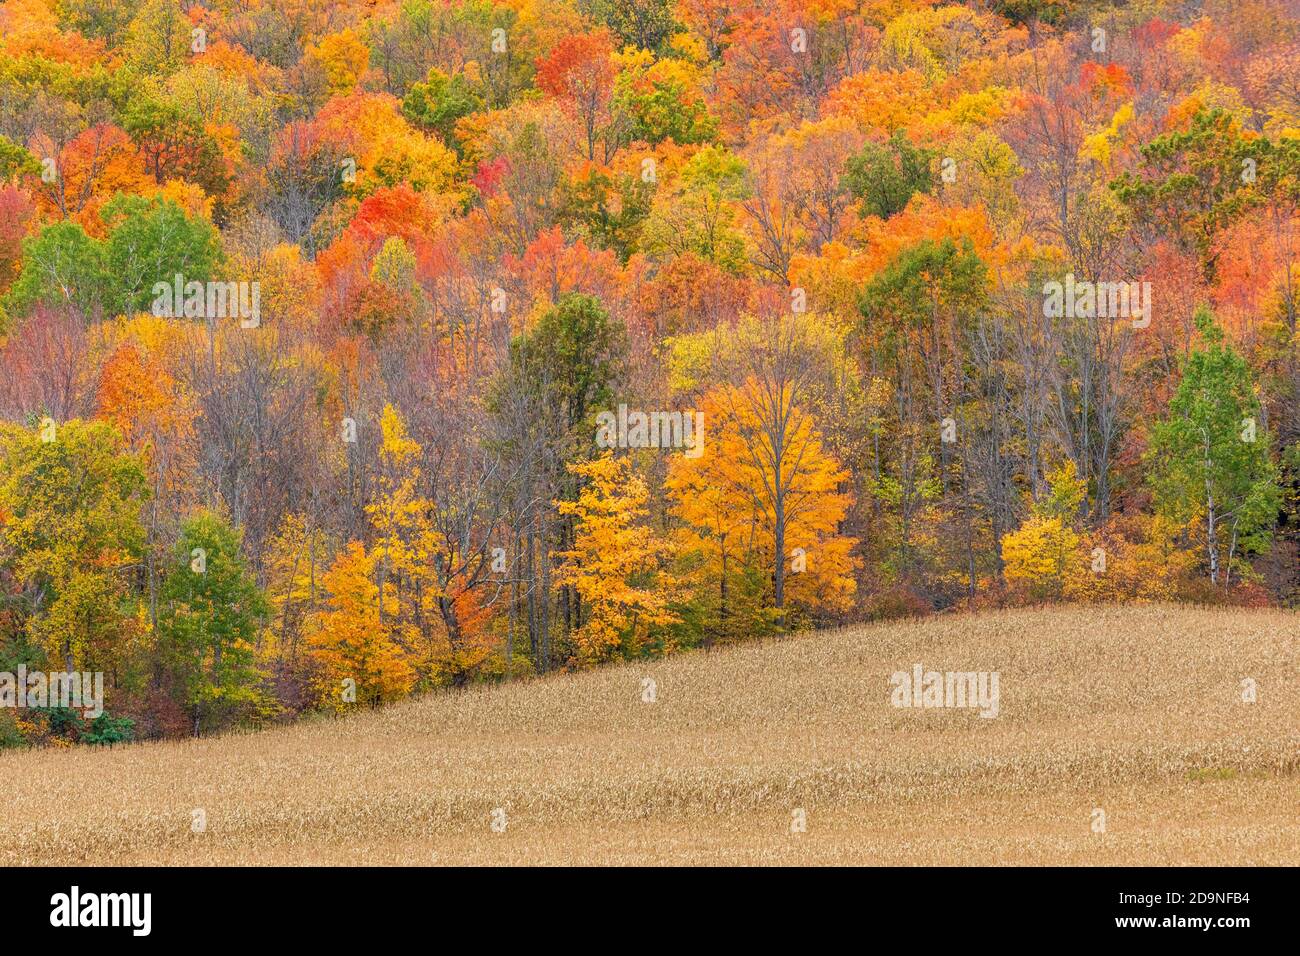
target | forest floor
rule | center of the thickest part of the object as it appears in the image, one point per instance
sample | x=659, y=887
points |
x=1135, y=713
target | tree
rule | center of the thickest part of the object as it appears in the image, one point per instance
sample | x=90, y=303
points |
x=1038, y=555
x=614, y=563
x=175, y=144
x=717, y=545
x=16, y=215
x=608, y=210
x=16, y=161
x=297, y=558
x=70, y=495
x=140, y=396
x=63, y=268
x=765, y=449
x=885, y=177
x=405, y=544
x=698, y=214
x=211, y=611
x=663, y=100
x=304, y=176
x=570, y=359
x=349, y=640
x=645, y=24
x=90, y=168
x=916, y=312
x=796, y=195
x=580, y=72
x=158, y=37
x=151, y=241
x=392, y=295
x=343, y=58
x=105, y=19
x=559, y=374
x=1191, y=184
x=440, y=101
x=1209, y=457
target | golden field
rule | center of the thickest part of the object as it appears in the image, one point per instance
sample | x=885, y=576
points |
x=1135, y=711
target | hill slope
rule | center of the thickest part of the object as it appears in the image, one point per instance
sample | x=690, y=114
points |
x=1135, y=711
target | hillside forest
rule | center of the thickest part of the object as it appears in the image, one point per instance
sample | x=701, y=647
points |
x=357, y=349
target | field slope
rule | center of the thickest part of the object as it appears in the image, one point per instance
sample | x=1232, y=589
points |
x=1134, y=711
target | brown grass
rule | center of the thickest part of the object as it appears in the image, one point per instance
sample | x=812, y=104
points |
x=1137, y=711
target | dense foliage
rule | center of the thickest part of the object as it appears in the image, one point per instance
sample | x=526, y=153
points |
x=349, y=350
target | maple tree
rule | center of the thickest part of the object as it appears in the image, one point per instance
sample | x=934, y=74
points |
x=349, y=640
x=580, y=71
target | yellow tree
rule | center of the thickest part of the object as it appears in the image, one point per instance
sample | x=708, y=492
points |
x=296, y=559
x=357, y=659
x=1133, y=557
x=370, y=128
x=615, y=562
x=766, y=488
x=1039, y=555
x=342, y=57
x=406, y=544
x=717, y=545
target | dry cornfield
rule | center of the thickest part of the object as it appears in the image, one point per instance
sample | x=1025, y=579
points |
x=1137, y=712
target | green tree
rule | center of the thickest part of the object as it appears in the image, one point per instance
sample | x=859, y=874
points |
x=151, y=240
x=16, y=161
x=608, y=212
x=917, y=313
x=571, y=358
x=174, y=144
x=210, y=614
x=158, y=38
x=645, y=24
x=560, y=373
x=698, y=215
x=106, y=729
x=661, y=102
x=62, y=268
x=105, y=19
x=1191, y=183
x=441, y=100
x=885, y=177
x=1209, y=456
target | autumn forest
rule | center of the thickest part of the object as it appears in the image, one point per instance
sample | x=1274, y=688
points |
x=358, y=349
